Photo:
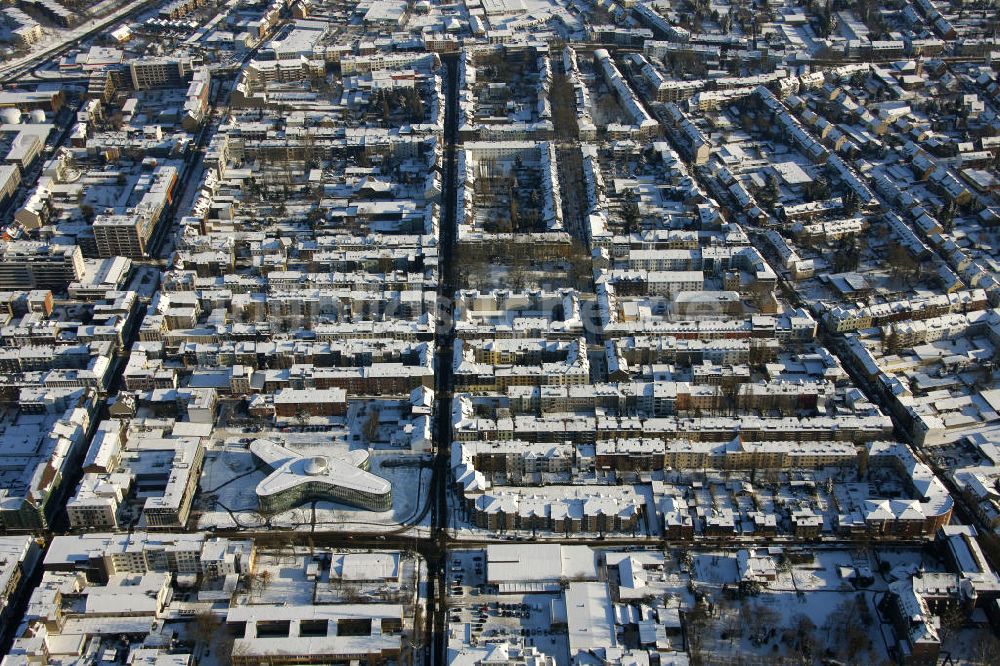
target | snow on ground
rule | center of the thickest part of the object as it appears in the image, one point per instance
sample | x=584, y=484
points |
x=974, y=645
x=481, y=616
x=716, y=569
x=227, y=497
x=57, y=38
x=788, y=609
x=823, y=574
x=287, y=584
x=808, y=594
x=283, y=577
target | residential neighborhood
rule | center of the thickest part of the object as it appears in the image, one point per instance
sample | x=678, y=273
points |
x=500, y=332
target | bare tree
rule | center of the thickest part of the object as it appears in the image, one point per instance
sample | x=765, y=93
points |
x=696, y=624
x=987, y=652
x=849, y=621
x=802, y=637
x=952, y=620
x=263, y=581
x=206, y=626
x=759, y=621
x=371, y=424
x=901, y=264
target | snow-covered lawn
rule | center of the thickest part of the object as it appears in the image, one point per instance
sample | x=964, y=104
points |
x=227, y=497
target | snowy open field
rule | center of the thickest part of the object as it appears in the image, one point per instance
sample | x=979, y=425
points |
x=810, y=608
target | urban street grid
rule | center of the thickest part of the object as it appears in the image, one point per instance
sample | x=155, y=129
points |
x=500, y=332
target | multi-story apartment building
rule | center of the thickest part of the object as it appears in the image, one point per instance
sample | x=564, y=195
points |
x=148, y=73
x=36, y=265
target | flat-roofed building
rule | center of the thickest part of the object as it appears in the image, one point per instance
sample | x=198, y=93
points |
x=34, y=265
x=159, y=73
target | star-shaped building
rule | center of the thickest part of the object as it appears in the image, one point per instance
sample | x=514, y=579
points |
x=296, y=479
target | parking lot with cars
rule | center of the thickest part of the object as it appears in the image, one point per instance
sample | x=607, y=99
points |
x=482, y=614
